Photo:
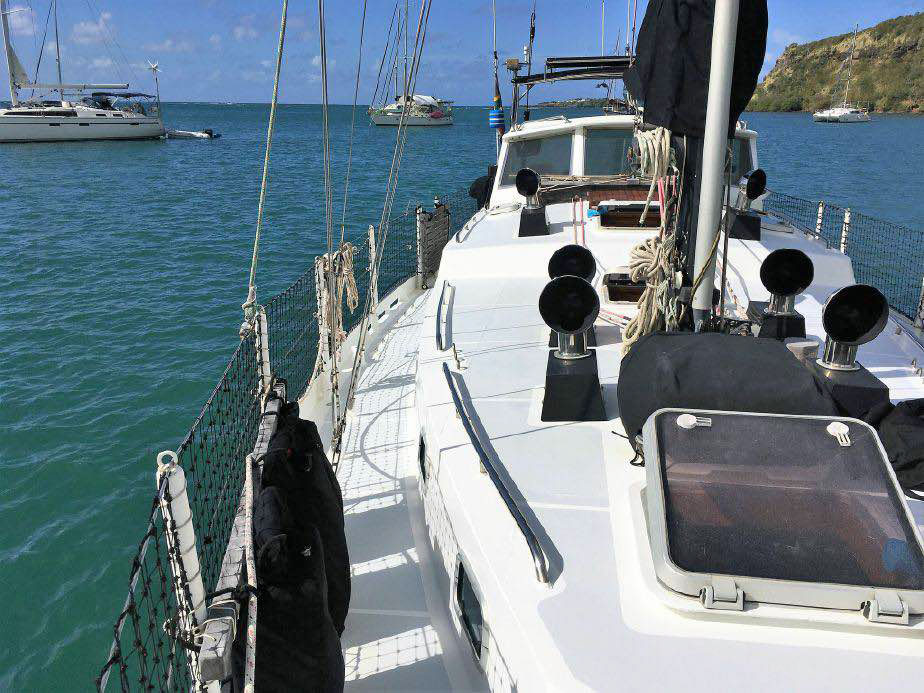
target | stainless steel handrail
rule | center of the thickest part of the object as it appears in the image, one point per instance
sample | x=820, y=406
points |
x=440, y=346
x=540, y=560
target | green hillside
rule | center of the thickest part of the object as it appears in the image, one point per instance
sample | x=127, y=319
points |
x=888, y=70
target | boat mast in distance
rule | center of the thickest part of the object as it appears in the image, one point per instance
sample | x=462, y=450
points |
x=844, y=112
x=408, y=108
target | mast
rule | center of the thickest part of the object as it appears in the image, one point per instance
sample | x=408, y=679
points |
x=58, y=53
x=715, y=143
x=628, y=23
x=853, y=45
x=406, y=29
x=8, y=49
x=602, y=27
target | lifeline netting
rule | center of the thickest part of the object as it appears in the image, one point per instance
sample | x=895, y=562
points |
x=885, y=255
x=142, y=655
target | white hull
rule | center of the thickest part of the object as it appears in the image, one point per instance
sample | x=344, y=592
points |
x=14, y=128
x=840, y=115
x=395, y=119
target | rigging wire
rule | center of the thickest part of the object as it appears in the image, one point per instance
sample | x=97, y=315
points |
x=378, y=77
x=38, y=63
x=329, y=217
x=382, y=236
x=110, y=42
x=248, y=305
x=346, y=182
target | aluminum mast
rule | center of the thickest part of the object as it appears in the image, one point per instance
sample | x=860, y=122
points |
x=715, y=144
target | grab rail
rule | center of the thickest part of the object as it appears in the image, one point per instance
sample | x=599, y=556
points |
x=540, y=560
x=440, y=346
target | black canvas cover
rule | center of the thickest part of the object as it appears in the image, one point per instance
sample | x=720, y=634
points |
x=716, y=371
x=901, y=430
x=670, y=75
x=298, y=647
x=295, y=463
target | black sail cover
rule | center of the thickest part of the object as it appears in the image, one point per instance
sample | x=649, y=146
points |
x=670, y=74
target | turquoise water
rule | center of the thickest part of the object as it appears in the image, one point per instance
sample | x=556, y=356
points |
x=122, y=276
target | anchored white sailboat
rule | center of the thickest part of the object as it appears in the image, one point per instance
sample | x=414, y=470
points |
x=844, y=112
x=408, y=107
x=81, y=111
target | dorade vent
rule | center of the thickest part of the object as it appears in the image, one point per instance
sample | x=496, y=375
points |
x=570, y=305
x=574, y=260
x=532, y=216
x=851, y=316
x=743, y=223
x=785, y=273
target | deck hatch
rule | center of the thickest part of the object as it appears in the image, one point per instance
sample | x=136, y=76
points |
x=778, y=508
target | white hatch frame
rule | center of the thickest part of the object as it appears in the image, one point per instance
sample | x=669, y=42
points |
x=730, y=592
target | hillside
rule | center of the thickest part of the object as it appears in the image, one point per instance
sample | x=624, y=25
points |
x=888, y=70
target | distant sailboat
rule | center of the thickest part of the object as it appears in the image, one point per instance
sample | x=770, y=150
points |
x=73, y=116
x=407, y=108
x=844, y=112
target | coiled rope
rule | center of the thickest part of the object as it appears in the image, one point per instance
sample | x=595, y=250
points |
x=651, y=260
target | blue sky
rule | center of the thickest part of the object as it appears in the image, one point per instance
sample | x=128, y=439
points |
x=222, y=50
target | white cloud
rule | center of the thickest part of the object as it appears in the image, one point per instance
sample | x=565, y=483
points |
x=316, y=61
x=100, y=63
x=92, y=32
x=244, y=30
x=266, y=63
x=215, y=40
x=22, y=20
x=781, y=37
x=255, y=76
x=170, y=46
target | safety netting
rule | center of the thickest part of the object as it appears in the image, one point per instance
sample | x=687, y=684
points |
x=886, y=255
x=148, y=651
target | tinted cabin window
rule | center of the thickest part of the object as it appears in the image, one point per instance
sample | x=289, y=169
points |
x=422, y=458
x=470, y=608
x=544, y=155
x=741, y=159
x=605, y=152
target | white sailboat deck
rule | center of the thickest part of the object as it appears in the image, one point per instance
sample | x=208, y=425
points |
x=606, y=622
x=398, y=634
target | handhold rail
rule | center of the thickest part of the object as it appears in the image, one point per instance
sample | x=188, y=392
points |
x=440, y=344
x=540, y=560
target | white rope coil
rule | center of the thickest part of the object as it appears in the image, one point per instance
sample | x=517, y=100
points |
x=651, y=260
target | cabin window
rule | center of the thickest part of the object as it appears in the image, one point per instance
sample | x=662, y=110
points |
x=544, y=155
x=469, y=610
x=422, y=458
x=741, y=162
x=606, y=152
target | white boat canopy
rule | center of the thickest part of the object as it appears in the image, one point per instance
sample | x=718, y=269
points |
x=421, y=99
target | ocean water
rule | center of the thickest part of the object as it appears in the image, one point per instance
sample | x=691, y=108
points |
x=122, y=273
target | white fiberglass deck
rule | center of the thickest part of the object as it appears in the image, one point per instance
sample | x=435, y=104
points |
x=399, y=634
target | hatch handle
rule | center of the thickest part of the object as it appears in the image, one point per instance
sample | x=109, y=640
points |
x=722, y=594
